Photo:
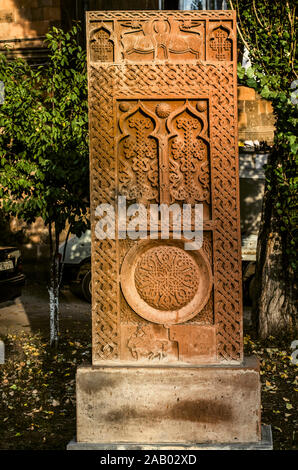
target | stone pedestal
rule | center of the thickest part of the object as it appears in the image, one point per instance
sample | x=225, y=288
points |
x=169, y=405
x=265, y=443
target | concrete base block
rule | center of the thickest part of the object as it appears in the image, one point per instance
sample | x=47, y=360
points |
x=169, y=404
x=265, y=443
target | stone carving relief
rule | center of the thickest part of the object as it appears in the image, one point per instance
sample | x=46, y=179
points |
x=165, y=284
x=185, y=101
x=161, y=39
x=138, y=169
x=214, y=15
x=166, y=278
x=102, y=46
x=164, y=148
x=155, y=343
x=129, y=316
x=164, y=38
x=189, y=160
x=220, y=44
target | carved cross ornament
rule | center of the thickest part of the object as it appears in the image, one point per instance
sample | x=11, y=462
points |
x=163, y=134
x=101, y=46
x=221, y=44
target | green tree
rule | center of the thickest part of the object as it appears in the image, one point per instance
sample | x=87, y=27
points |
x=268, y=30
x=44, y=147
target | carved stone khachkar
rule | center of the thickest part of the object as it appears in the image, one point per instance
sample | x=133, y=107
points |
x=167, y=323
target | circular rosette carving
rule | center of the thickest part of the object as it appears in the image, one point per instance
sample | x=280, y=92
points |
x=163, y=110
x=124, y=106
x=165, y=284
x=201, y=105
x=166, y=277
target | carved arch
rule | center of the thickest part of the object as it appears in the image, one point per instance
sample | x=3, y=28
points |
x=138, y=155
x=189, y=156
x=101, y=45
x=220, y=44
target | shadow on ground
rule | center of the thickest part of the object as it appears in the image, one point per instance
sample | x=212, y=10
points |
x=30, y=312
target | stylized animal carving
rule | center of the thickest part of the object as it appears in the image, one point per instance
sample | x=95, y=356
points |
x=170, y=35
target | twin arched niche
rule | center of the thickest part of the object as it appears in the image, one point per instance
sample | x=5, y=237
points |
x=162, y=145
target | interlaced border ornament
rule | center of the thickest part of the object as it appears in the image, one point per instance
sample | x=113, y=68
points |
x=214, y=81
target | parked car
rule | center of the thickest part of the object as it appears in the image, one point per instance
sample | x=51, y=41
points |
x=77, y=264
x=11, y=277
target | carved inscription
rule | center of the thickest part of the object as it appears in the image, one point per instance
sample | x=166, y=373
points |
x=147, y=343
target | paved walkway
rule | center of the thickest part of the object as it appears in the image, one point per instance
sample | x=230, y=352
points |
x=30, y=312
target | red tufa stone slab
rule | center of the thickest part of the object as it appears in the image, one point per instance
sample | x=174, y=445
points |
x=163, y=129
x=197, y=343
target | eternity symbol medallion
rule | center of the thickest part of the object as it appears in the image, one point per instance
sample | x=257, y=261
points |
x=167, y=278
x=165, y=284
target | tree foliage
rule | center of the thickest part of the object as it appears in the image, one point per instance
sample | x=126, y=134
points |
x=268, y=30
x=44, y=141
